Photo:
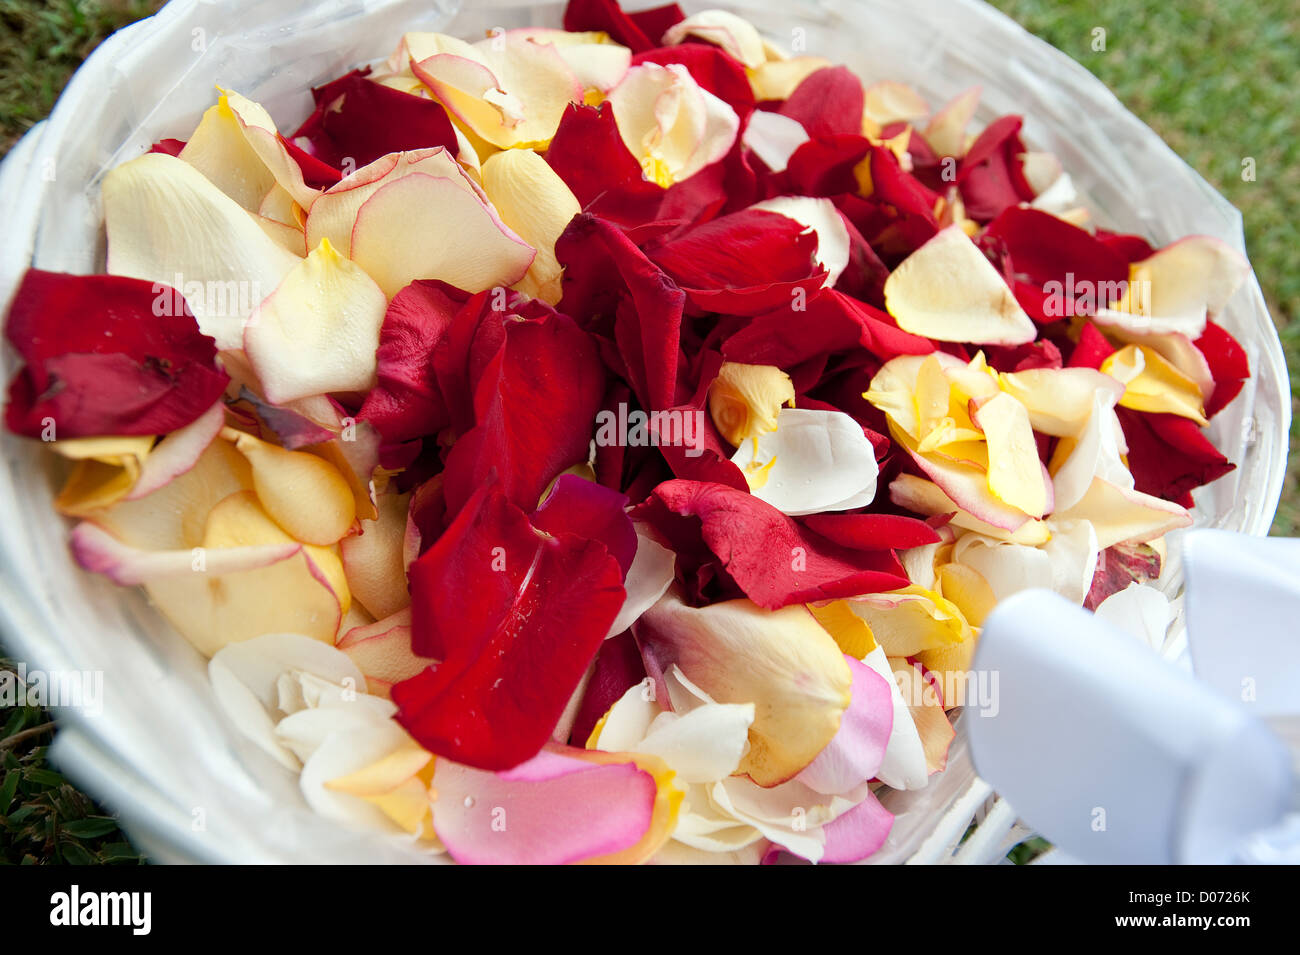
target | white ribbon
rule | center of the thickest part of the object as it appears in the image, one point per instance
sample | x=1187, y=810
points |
x=1117, y=755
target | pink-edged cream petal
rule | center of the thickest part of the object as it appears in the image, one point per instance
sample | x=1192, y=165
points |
x=427, y=227
x=179, y=451
x=855, y=754
x=736, y=36
x=334, y=213
x=382, y=650
x=925, y=497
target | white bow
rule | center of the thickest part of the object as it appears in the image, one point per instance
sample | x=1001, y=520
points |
x=1117, y=755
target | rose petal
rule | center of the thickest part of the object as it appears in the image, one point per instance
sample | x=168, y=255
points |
x=516, y=618
x=773, y=560
x=820, y=461
x=554, y=809
x=100, y=359
x=216, y=247
x=373, y=559
x=399, y=238
x=793, y=673
x=857, y=750
x=948, y=291
x=302, y=492
x=318, y=331
x=536, y=204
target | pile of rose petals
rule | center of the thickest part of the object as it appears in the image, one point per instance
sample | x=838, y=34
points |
x=605, y=444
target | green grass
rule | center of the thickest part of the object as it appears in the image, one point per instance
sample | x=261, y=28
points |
x=1213, y=78
x=43, y=817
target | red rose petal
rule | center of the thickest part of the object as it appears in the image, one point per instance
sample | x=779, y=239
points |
x=535, y=408
x=745, y=263
x=315, y=173
x=1132, y=248
x=169, y=147
x=406, y=402
x=606, y=275
x=991, y=177
x=1070, y=272
x=1092, y=350
x=515, y=617
x=1228, y=365
x=359, y=120
x=831, y=322
x=1170, y=455
x=590, y=156
x=639, y=31
x=824, y=167
x=102, y=358
x=872, y=531
x=774, y=560
x=618, y=669
x=828, y=102
x=589, y=510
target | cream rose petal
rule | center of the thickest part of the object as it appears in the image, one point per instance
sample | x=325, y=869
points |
x=318, y=332
x=262, y=136
x=946, y=132
x=167, y=223
x=774, y=138
x=427, y=227
x=890, y=102
x=820, y=461
x=219, y=149
x=777, y=79
x=821, y=216
x=1176, y=289
x=648, y=579
x=245, y=678
x=792, y=671
x=669, y=124
x=303, y=493
x=737, y=37
x=1124, y=516
x=947, y=290
x=904, y=764
x=536, y=204
x=596, y=61
x=373, y=559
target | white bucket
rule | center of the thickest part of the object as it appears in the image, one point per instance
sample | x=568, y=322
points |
x=160, y=752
